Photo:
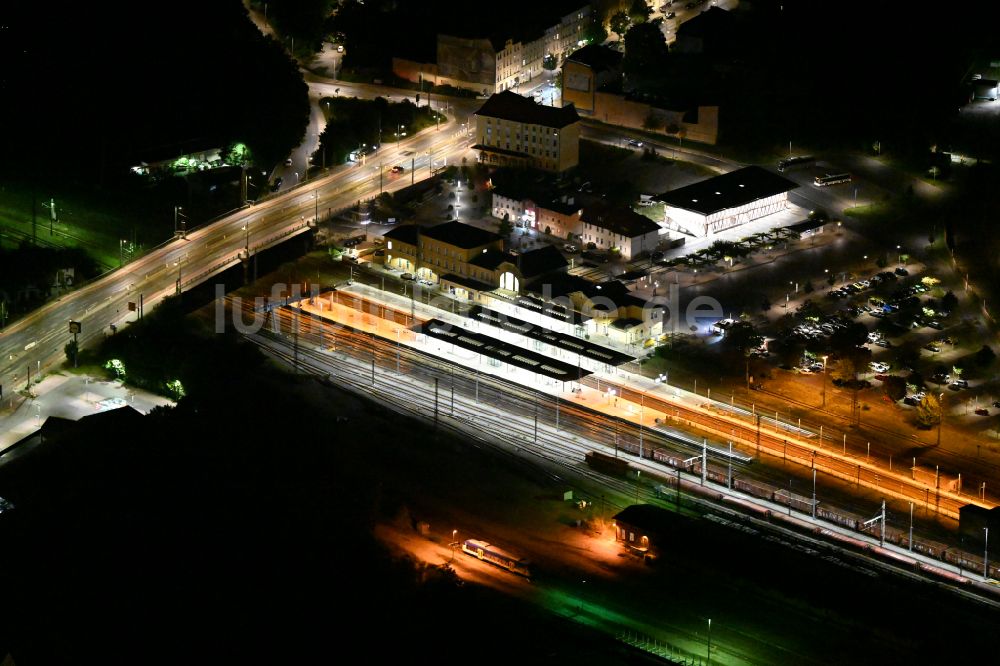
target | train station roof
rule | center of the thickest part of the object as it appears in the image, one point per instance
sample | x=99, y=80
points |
x=499, y=350
x=564, y=341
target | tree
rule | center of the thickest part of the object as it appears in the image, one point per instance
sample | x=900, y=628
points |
x=505, y=228
x=882, y=261
x=646, y=53
x=594, y=31
x=949, y=301
x=929, y=411
x=619, y=24
x=549, y=62
x=741, y=337
x=984, y=356
x=845, y=340
x=639, y=11
x=894, y=387
x=808, y=287
x=765, y=304
x=653, y=121
x=71, y=349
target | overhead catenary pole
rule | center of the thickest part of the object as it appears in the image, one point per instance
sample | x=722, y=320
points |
x=911, y=527
x=704, y=460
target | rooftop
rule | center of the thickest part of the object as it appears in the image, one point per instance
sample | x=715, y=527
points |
x=460, y=235
x=406, y=233
x=545, y=259
x=727, y=191
x=713, y=20
x=565, y=341
x=598, y=58
x=508, y=105
x=507, y=352
x=623, y=221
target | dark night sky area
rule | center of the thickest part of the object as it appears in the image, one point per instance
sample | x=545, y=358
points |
x=101, y=83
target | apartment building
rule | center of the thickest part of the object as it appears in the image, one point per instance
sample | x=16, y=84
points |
x=512, y=130
x=513, y=55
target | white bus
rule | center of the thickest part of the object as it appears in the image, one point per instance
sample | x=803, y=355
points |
x=832, y=179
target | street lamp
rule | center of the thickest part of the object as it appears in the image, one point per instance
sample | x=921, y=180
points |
x=179, y=216
x=940, y=415
x=986, y=554
x=179, y=264
x=453, y=533
x=246, y=228
x=824, y=381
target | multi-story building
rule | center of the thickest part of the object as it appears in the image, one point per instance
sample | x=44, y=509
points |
x=619, y=229
x=512, y=130
x=612, y=228
x=512, y=56
x=586, y=71
x=465, y=260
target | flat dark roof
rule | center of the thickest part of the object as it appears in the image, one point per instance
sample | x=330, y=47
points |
x=460, y=235
x=599, y=58
x=563, y=341
x=618, y=220
x=807, y=225
x=511, y=106
x=501, y=351
x=729, y=190
x=467, y=282
x=406, y=233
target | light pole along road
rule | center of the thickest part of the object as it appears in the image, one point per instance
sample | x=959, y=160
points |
x=38, y=338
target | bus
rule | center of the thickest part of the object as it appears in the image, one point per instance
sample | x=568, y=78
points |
x=497, y=556
x=832, y=179
x=791, y=162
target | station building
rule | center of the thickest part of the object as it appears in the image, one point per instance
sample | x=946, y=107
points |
x=467, y=261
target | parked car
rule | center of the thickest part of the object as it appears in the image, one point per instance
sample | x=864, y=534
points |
x=670, y=15
x=931, y=347
x=959, y=384
x=982, y=411
x=940, y=378
x=878, y=366
x=407, y=276
x=276, y=185
x=571, y=248
x=901, y=271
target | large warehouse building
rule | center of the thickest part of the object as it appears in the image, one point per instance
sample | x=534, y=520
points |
x=725, y=201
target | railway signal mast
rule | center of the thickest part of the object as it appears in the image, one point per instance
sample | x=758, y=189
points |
x=880, y=518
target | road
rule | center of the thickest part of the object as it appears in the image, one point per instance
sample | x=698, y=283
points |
x=35, y=343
